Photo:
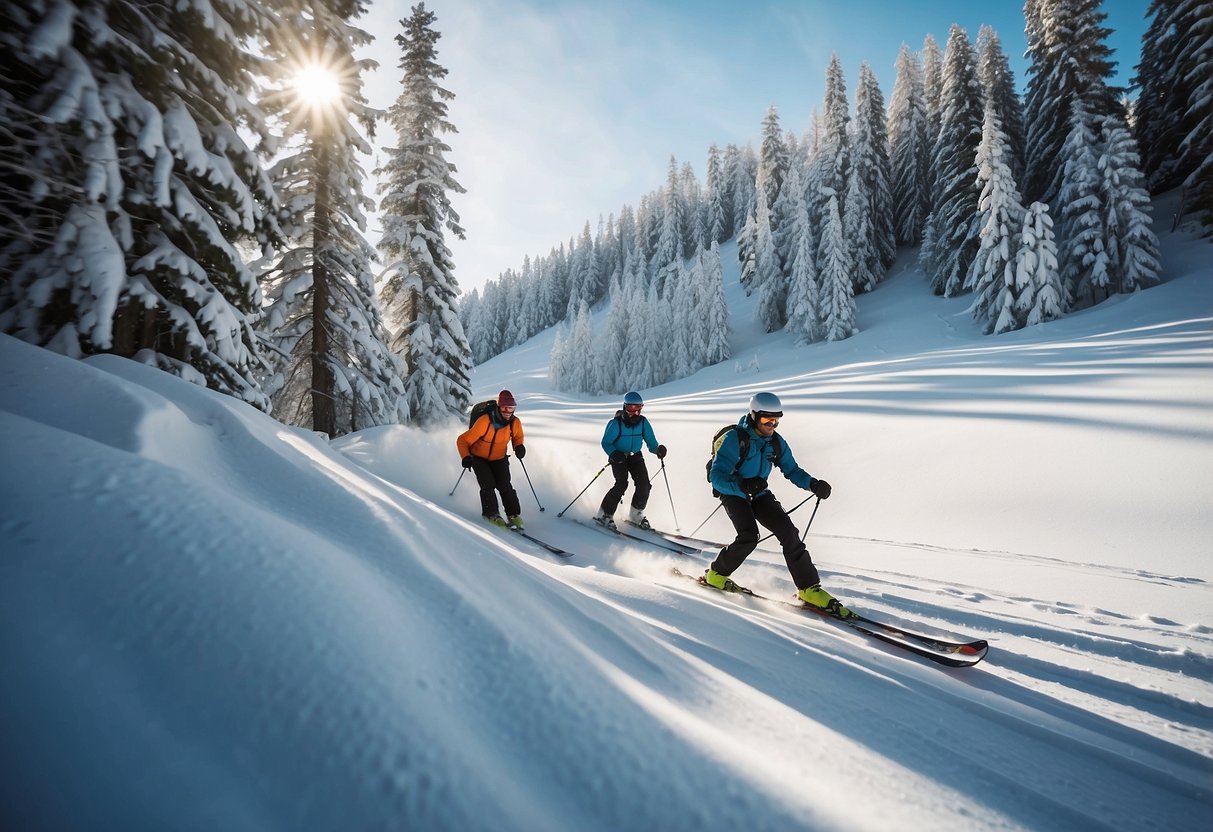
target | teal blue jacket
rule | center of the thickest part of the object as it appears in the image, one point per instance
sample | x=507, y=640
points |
x=628, y=438
x=759, y=460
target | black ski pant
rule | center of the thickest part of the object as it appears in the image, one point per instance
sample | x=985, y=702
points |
x=632, y=465
x=495, y=476
x=764, y=509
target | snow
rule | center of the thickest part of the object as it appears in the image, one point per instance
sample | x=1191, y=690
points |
x=214, y=621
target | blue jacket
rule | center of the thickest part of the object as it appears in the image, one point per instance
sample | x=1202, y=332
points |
x=628, y=438
x=757, y=463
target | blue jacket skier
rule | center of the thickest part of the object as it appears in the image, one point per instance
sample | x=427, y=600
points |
x=623, y=441
x=740, y=480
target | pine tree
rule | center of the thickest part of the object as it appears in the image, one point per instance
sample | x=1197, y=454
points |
x=956, y=193
x=992, y=273
x=998, y=87
x=1131, y=244
x=804, y=303
x=333, y=369
x=1039, y=293
x=417, y=213
x=1070, y=64
x=837, y=297
x=909, y=150
x=870, y=162
x=772, y=161
x=129, y=184
x=834, y=155
x=1084, y=260
x=719, y=216
x=673, y=222
x=1174, y=123
x=715, y=312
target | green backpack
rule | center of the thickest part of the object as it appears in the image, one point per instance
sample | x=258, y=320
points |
x=743, y=448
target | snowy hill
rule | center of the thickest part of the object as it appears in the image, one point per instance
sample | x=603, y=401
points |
x=212, y=621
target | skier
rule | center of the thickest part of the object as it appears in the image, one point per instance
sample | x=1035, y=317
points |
x=483, y=447
x=740, y=479
x=621, y=441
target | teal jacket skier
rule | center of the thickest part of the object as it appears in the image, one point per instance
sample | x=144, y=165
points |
x=741, y=483
x=622, y=441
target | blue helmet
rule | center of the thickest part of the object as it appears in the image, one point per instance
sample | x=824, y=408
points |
x=765, y=404
x=632, y=397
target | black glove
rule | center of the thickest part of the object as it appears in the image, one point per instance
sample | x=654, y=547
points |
x=618, y=457
x=661, y=451
x=821, y=488
x=467, y=461
x=520, y=451
x=753, y=485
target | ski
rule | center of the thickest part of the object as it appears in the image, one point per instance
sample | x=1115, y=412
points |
x=663, y=539
x=555, y=550
x=668, y=546
x=698, y=542
x=941, y=651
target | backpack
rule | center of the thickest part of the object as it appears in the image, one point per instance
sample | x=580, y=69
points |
x=479, y=410
x=743, y=445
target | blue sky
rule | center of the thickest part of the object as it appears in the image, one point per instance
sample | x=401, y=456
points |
x=567, y=110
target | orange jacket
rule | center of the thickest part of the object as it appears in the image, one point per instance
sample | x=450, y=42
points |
x=487, y=441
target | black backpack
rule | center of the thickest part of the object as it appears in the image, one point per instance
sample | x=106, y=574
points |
x=481, y=408
x=743, y=445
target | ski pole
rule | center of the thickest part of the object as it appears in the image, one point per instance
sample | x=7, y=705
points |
x=705, y=520
x=587, y=488
x=814, y=514
x=666, y=477
x=793, y=508
x=528, y=482
x=461, y=473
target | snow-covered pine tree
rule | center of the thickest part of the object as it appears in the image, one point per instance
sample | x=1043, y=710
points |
x=1131, y=245
x=772, y=162
x=719, y=216
x=804, y=294
x=1037, y=280
x=695, y=229
x=932, y=81
x=837, y=297
x=673, y=221
x=909, y=150
x=612, y=343
x=1070, y=62
x=1174, y=114
x=747, y=250
x=581, y=361
x=417, y=214
x=998, y=86
x=992, y=274
x=129, y=184
x=833, y=161
x=766, y=278
x=955, y=193
x=1084, y=261
x=860, y=235
x=870, y=162
x=333, y=368
x=744, y=182
x=714, y=311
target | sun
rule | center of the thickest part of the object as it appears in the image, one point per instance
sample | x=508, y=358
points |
x=317, y=86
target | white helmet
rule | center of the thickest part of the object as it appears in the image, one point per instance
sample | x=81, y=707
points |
x=765, y=404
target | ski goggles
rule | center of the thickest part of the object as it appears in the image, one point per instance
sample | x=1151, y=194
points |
x=506, y=411
x=632, y=409
x=768, y=421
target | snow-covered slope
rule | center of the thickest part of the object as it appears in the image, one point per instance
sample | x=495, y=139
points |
x=211, y=621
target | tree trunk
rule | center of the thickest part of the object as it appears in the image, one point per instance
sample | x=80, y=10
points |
x=324, y=417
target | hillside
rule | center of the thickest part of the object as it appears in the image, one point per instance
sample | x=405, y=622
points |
x=212, y=621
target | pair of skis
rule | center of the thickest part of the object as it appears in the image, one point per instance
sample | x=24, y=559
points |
x=940, y=650
x=951, y=653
